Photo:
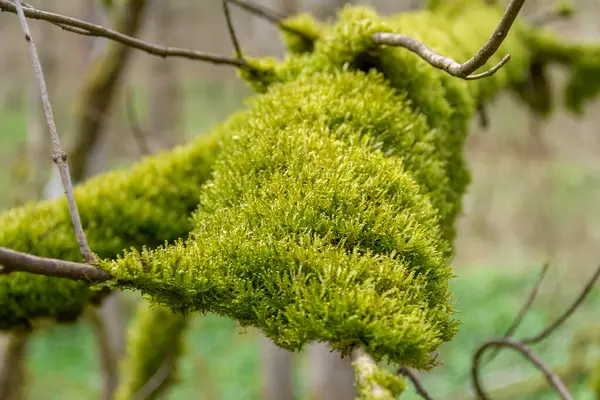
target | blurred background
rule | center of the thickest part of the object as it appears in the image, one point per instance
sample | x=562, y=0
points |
x=534, y=199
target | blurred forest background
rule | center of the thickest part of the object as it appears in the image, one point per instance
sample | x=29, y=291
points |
x=534, y=198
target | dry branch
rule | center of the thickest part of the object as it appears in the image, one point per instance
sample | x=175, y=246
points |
x=14, y=261
x=407, y=373
x=58, y=155
x=81, y=27
x=552, y=378
x=451, y=66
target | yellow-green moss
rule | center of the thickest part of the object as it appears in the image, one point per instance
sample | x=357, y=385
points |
x=330, y=212
x=153, y=347
x=146, y=205
x=378, y=384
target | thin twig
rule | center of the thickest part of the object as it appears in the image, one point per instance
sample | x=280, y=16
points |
x=553, y=379
x=156, y=380
x=15, y=261
x=138, y=133
x=230, y=28
x=560, y=320
x=451, y=66
x=407, y=373
x=76, y=25
x=523, y=311
x=58, y=155
x=269, y=15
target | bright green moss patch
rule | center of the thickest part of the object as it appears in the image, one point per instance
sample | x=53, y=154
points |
x=327, y=213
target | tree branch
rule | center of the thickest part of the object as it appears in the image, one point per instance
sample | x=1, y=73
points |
x=560, y=320
x=231, y=29
x=58, y=155
x=89, y=29
x=14, y=261
x=407, y=373
x=449, y=65
x=550, y=376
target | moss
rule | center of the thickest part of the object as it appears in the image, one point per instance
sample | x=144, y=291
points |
x=328, y=211
x=309, y=28
x=149, y=355
x=146, y=205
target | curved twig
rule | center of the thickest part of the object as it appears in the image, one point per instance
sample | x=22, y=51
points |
x=270, y=15
x=407, y=373
x=451, y=66
x=77, y=25
x=523, y=311
x=560, y=320
x=520, y=347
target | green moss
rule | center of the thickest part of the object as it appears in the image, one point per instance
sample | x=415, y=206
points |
x=151, y=354
x=305, y=24
x=328, y=212
x=147, y=205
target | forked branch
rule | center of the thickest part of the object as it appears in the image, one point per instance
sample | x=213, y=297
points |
x=85, y=28
x=451, y=66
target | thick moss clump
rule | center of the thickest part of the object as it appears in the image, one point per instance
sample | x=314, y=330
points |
x=151, y=356
x=329, y=214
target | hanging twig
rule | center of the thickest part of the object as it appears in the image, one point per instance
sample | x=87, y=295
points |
x=79, y=26
x=157, y=380
x=58, y=155
x=231, y=29
x=269, y=15
x=407, y=373
x=520, y=347
x=449, y=65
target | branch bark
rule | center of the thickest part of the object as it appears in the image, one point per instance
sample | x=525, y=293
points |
x=451, y=66
x=14, y=261
x=58, y=155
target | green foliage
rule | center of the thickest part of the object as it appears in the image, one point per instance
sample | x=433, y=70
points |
x=310, y=29
x=149, y=355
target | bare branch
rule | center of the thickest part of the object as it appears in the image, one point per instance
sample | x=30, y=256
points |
x=230, y=28
x=269, y=15
x=14, y=261
x=553, y=379
x=407, y=373
x=523, y=311
x=58, y=155
x=79, y=26
x=451, y=66
x=560, y=320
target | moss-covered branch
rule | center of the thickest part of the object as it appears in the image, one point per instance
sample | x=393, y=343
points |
x=329, y=213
